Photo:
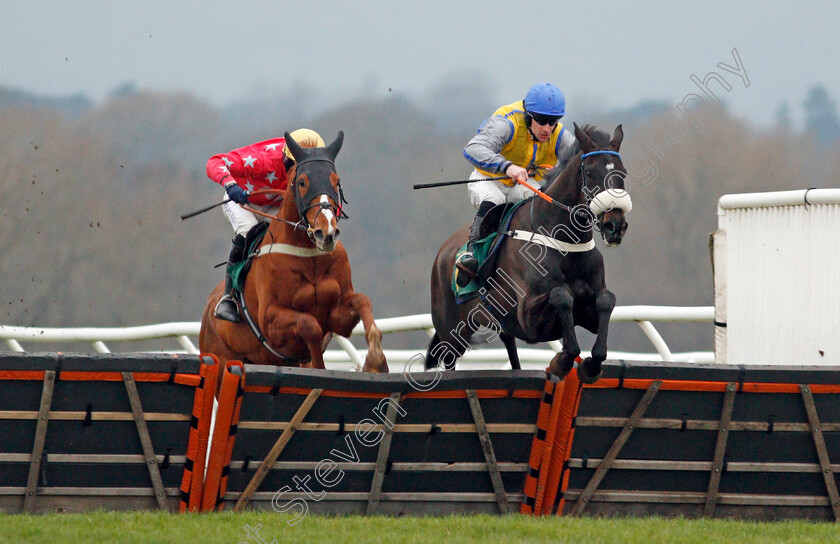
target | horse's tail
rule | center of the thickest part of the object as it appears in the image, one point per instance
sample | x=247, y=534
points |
x=431, y=360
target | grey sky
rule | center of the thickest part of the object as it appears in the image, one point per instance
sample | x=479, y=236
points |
x=602, y=54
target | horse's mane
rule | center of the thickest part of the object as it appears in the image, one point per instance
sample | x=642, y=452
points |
x=598, y=136
x=601, y=138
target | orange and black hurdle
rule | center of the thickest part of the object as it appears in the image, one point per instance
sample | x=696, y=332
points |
x=340, y=442
x=706, y=440
x=84, y=432
x=192, y=484
x=224, y=435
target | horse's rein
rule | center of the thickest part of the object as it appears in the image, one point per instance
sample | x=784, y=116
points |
x=303, y=224
x=582, y=158
x=297, y=226
x=541, y=194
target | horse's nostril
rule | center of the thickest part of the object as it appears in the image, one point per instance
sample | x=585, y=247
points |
x=337, y=232
x=319, y=235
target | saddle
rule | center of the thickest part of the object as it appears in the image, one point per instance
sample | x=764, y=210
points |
x=492, y=232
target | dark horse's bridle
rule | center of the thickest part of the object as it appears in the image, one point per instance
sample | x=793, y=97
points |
x=587, y=197
x=585, y=156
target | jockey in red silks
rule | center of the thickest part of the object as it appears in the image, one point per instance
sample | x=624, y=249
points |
x=262, y=165
x=515, y=141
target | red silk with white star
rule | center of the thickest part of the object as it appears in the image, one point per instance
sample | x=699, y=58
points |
x=253, y=167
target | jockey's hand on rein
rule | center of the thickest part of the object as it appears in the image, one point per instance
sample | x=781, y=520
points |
x=516, y=172
x=236, y=193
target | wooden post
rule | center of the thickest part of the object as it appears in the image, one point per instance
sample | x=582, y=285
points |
x=382, y=455
x=489, y=455
x=720, y=450
x=619, y=442
x=822, y=452
x=276, y=450
x=40, y=439
x=145, y=439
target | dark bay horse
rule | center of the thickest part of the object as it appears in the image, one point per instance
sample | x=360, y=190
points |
x=298, y=290
x=548, y=277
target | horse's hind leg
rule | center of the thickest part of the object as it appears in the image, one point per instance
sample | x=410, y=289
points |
x=563, y=302
x=590, y=369
x=445, y=350
x=454, y=334
x=431, y=360
x=510, y=345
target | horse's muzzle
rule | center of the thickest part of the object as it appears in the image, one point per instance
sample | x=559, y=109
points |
x=613, y=227
x=325, y=242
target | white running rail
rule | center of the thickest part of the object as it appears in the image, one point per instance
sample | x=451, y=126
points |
x=351, y=358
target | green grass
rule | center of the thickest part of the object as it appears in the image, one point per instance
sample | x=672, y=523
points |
x=229, y=528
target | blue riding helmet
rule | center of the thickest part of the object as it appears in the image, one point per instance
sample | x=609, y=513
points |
x=545, y=99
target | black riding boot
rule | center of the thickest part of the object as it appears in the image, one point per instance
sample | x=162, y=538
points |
x=227, y=309
x=468, y=264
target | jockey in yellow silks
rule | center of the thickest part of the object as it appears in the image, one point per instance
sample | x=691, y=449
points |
x=516, y=140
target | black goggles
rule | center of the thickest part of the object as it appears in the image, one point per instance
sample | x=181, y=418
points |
x=550, y=120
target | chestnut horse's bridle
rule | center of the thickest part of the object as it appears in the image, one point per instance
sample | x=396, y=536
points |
x=335, y=193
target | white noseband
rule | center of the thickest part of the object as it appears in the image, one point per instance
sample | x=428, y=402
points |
x=610, y=199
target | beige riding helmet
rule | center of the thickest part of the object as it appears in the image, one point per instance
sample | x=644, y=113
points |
x=305, y=137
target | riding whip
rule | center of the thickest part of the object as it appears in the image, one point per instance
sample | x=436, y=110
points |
x=456, y=182
x=531, y=170
x=202, y=210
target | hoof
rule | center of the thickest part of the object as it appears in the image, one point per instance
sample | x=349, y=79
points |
x=561, y=364
x=589, y=371
x=380, y=367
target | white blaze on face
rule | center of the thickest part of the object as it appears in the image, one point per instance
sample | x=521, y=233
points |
x=610, y=166
x=328, y=214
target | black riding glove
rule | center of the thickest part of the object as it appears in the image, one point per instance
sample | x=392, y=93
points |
x=237, y=194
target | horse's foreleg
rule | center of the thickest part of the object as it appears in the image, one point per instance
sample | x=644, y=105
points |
x=309, y=329
x=360, y=305
x=285, y=325
x=562, y=301
x=590, y=370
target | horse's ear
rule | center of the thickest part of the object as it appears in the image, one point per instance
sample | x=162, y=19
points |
x=586, y=143
x=335, y=146
x=618, y=135
x=293, y=146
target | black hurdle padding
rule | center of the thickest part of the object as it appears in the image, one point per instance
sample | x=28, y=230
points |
x=655, y=370
x=92, y=442
x=364, y=396
x=679, y=444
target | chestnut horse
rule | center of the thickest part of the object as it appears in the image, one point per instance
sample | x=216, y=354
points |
x=298, y=290
x=548, y=276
